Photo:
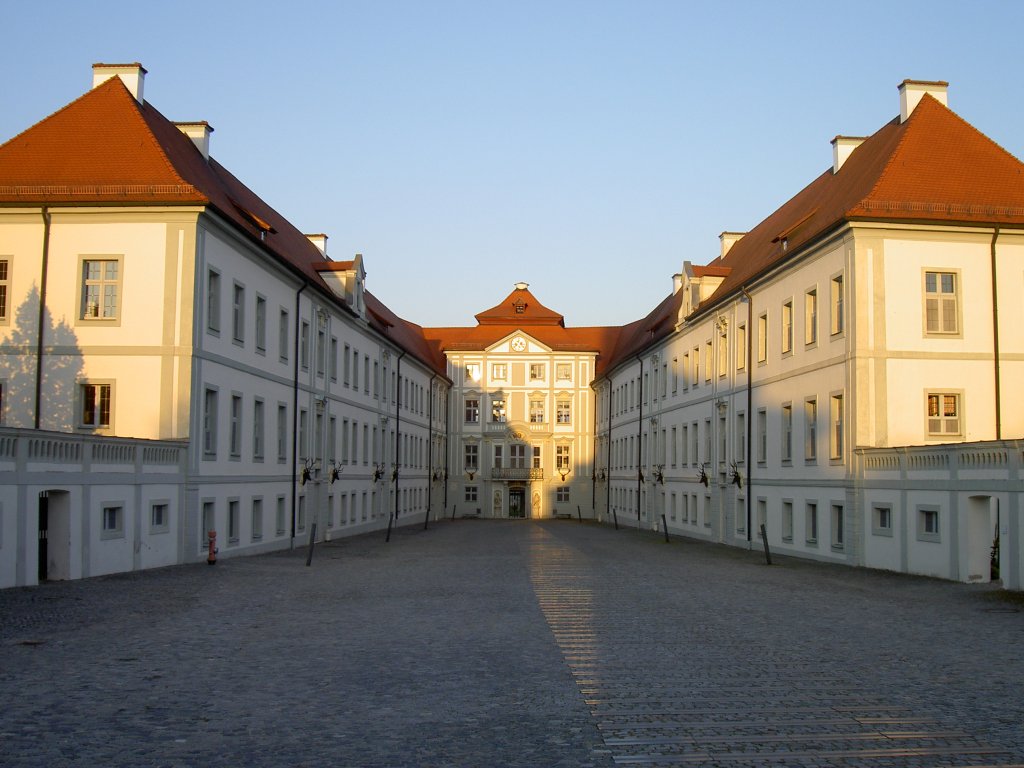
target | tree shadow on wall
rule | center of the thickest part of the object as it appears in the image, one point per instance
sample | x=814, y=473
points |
x=61, y=370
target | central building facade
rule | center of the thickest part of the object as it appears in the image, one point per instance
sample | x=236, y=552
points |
x=522, y=426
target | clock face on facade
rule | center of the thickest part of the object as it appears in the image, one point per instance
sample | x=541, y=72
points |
x=518, y=344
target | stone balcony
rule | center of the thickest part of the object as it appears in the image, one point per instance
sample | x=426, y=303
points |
x=516, y=473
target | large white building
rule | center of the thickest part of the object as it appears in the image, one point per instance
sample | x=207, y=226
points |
x=147, y=293
x=177, y=358
x=877, y=309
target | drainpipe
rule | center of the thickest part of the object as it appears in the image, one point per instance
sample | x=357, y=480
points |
x=295, y=410
x=640, y=444
x=750, y=399
x=608, y=456
x=398, y=424
x=42, y=314
x=995, y=333
x=430, y=446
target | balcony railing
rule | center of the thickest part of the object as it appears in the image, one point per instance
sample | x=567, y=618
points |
x=516, y=473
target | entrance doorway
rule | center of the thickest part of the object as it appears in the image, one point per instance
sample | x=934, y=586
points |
x=517, y=502
x=982, y=539
x=54, y=536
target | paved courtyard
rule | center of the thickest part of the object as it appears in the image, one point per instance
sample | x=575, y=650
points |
x=490, y=643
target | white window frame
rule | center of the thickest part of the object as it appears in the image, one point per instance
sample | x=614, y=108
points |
x=940, y=419
x=811, y=317
x=787, y=327
x=103, y=283
x=837, y=299
x=112, y=520
x=163, y=524
x=936, y=302
x=98, y=386
x=929, y=522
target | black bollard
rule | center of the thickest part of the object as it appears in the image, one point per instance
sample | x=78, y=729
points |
x=665, y=526
x=767, y=552
x=312, y=539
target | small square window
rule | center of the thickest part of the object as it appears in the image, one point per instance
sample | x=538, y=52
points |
x=536, y=371
x=113, y=522
x=471, y=493
x=159, y=522
x=96, y=405
x=928, y=524
x=563, y=372
x=881, y=520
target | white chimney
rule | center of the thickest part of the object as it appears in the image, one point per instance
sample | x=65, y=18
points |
x=842, y=148
x=677, y=282
x=728, y=240
x=199, y=132
x=911, y=92
x=132, y=75
x=320, y=241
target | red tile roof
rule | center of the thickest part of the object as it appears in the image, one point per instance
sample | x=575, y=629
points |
x=520, y=306
x=934, y=167
x=107, y=148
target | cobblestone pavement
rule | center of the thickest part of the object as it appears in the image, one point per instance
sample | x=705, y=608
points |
x=490, y=643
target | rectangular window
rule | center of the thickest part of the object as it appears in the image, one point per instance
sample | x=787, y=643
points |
x=944, y=413
x=159, y=522
x=674, y=447
x=811, y=316
x=355, y=371
x=838, y=532
x=881, y=520
x=472, y=410
x=210, y=423
x=238, y=313
x=563, y=371
x=562, y=457
x=837, y=320
x=471, y=456
x=517, y=455
x=762, y=517
x=96, y=405
x=100, y=281
x=236, y=426
x=741, y=347
x=334, y=359
x=113, y=522
x=499, y=371
x=209, y=524
x=282, y=433
x=723, y=354
x=563, y=412
x=256, y=520
x=300, y=522
x=498, y=456
x=5, y=282
x=762, y=435
x=536, y=411
x=366, y=374
x=675, y=375
x=471, y=494
x=233, y=521
x=811, y=523
x=562, y=494
x=536, y=371
x=810, y=430
x=261, y=324
x=321, y=353
x=787, y=432
x=787, y=327
x=762, y=338
x=258, y=430
x=835, y=417
x=279, y=517
x=707, y=361
x=303, y=433
x=304, y=346
x=741, y=437
x=498, y=409
x=213, y=301
x=686, y=371
x=941, y=302
x=282, y=335
x=928, y=524
x=536, y=457
x=346, y=366
x=787, y=521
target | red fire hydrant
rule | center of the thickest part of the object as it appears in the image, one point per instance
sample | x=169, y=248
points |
x=211, y=558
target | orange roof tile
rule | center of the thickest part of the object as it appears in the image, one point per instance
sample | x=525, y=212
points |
x=933, y=167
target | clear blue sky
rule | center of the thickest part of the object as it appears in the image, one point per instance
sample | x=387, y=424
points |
x=588, y=148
